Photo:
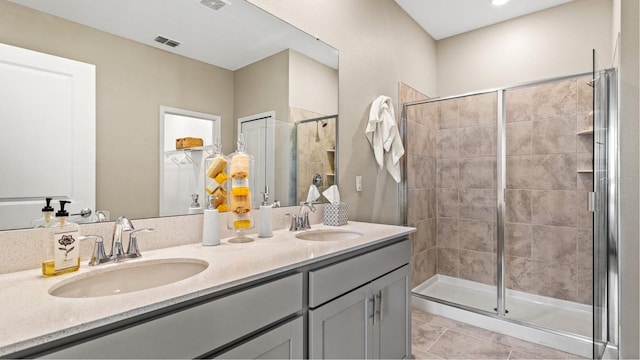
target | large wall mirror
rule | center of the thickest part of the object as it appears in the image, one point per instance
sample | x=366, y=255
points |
x=228, y=60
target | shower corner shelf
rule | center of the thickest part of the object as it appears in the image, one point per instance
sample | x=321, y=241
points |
x=585, y=171
x=585, y=132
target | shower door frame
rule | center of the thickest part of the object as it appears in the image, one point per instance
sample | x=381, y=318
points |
x=500, y=213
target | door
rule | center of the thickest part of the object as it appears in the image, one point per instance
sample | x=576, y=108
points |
x=49, y=104
x=283, y=342
x=392, y=324
x=604, y=229
x=340, y=329
x=259, y=139
x=181, y=171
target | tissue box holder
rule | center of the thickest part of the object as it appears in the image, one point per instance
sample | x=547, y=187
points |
x=336, y=214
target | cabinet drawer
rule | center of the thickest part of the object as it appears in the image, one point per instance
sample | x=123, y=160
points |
x=200, y=329
x=283, y=342
x=334, y=280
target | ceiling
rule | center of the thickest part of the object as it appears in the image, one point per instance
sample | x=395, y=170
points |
x=236, y=35
x=445, y=18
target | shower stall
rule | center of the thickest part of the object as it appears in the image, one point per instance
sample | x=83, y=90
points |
x=510, y=192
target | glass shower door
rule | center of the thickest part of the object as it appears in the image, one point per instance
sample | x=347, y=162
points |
x=604, y=156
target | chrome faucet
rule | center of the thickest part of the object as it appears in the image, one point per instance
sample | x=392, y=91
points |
x=99, y=255
x=117, y=250
x=132, y=249
x=301, y=221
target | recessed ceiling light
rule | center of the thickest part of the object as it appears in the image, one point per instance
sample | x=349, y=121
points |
x=499, y=2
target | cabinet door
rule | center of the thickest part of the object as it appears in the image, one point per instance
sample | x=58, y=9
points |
x=283, y=342
x=391, y=330
x=340, y=329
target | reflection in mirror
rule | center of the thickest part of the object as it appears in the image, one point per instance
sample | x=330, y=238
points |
x=300, y=154
x=212, y=71
x=182, y=165
x=316, y=158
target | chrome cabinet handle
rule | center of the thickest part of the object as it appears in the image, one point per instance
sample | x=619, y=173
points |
x=378, y=304
x=371, y=308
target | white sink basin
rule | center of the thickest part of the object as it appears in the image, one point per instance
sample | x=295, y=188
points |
x=329, y=234
x=128, y=277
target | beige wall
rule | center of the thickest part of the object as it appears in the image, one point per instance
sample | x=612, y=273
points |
x=379, y=45
x=629, y=180
x=551, y=43
x=133, y=80
x=263, y=86
x=313, y=86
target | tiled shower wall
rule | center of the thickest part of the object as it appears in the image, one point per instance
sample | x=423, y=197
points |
x=548, y=229
x=466, y=183
x=421, y=197
x=316, y=154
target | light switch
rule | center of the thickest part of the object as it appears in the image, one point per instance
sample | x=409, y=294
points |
x=358, y=183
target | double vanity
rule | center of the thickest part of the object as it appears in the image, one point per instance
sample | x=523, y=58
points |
x=329, y=292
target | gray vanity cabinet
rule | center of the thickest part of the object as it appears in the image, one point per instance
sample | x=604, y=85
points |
x=392, y=315
x=199, y=330
x=371, y=321
x=283, y=342
x=341, y=328
x=341, y=307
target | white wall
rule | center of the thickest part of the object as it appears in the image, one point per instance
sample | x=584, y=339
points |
x=379, y=45
x=551, y=43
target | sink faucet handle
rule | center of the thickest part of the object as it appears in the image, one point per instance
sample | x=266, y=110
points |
x=294, y=222
x=132, y=249
x=305, y=221
x=98, y=255
x=121, y=225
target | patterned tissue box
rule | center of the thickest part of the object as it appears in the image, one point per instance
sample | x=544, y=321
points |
x=336, y=214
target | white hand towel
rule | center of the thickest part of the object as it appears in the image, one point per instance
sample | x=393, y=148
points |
x=332, y=194
x=384, y=137
x=313, y=194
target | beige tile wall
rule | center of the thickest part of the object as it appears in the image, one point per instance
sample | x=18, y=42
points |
x=548, y=232
x=314, y=157
x=466, y=163
x=421, y=180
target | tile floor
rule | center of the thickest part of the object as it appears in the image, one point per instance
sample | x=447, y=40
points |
x=437, y=337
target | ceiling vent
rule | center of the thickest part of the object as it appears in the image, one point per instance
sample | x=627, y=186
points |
x=165, y=40
x=214, y=4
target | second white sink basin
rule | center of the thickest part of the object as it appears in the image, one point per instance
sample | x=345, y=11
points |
x=128, y=277
x=329, y=234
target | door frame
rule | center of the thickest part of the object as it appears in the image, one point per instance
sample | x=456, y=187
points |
x=164, y=110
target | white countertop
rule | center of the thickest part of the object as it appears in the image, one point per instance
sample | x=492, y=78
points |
x=30, y=316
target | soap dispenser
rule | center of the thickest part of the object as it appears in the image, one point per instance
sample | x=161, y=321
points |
x=195, y=207
x=46, y=221
x=63, y=245
x=211, y=224
x=265, y=227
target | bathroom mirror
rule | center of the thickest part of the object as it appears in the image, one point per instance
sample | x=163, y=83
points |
x=227, y=58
